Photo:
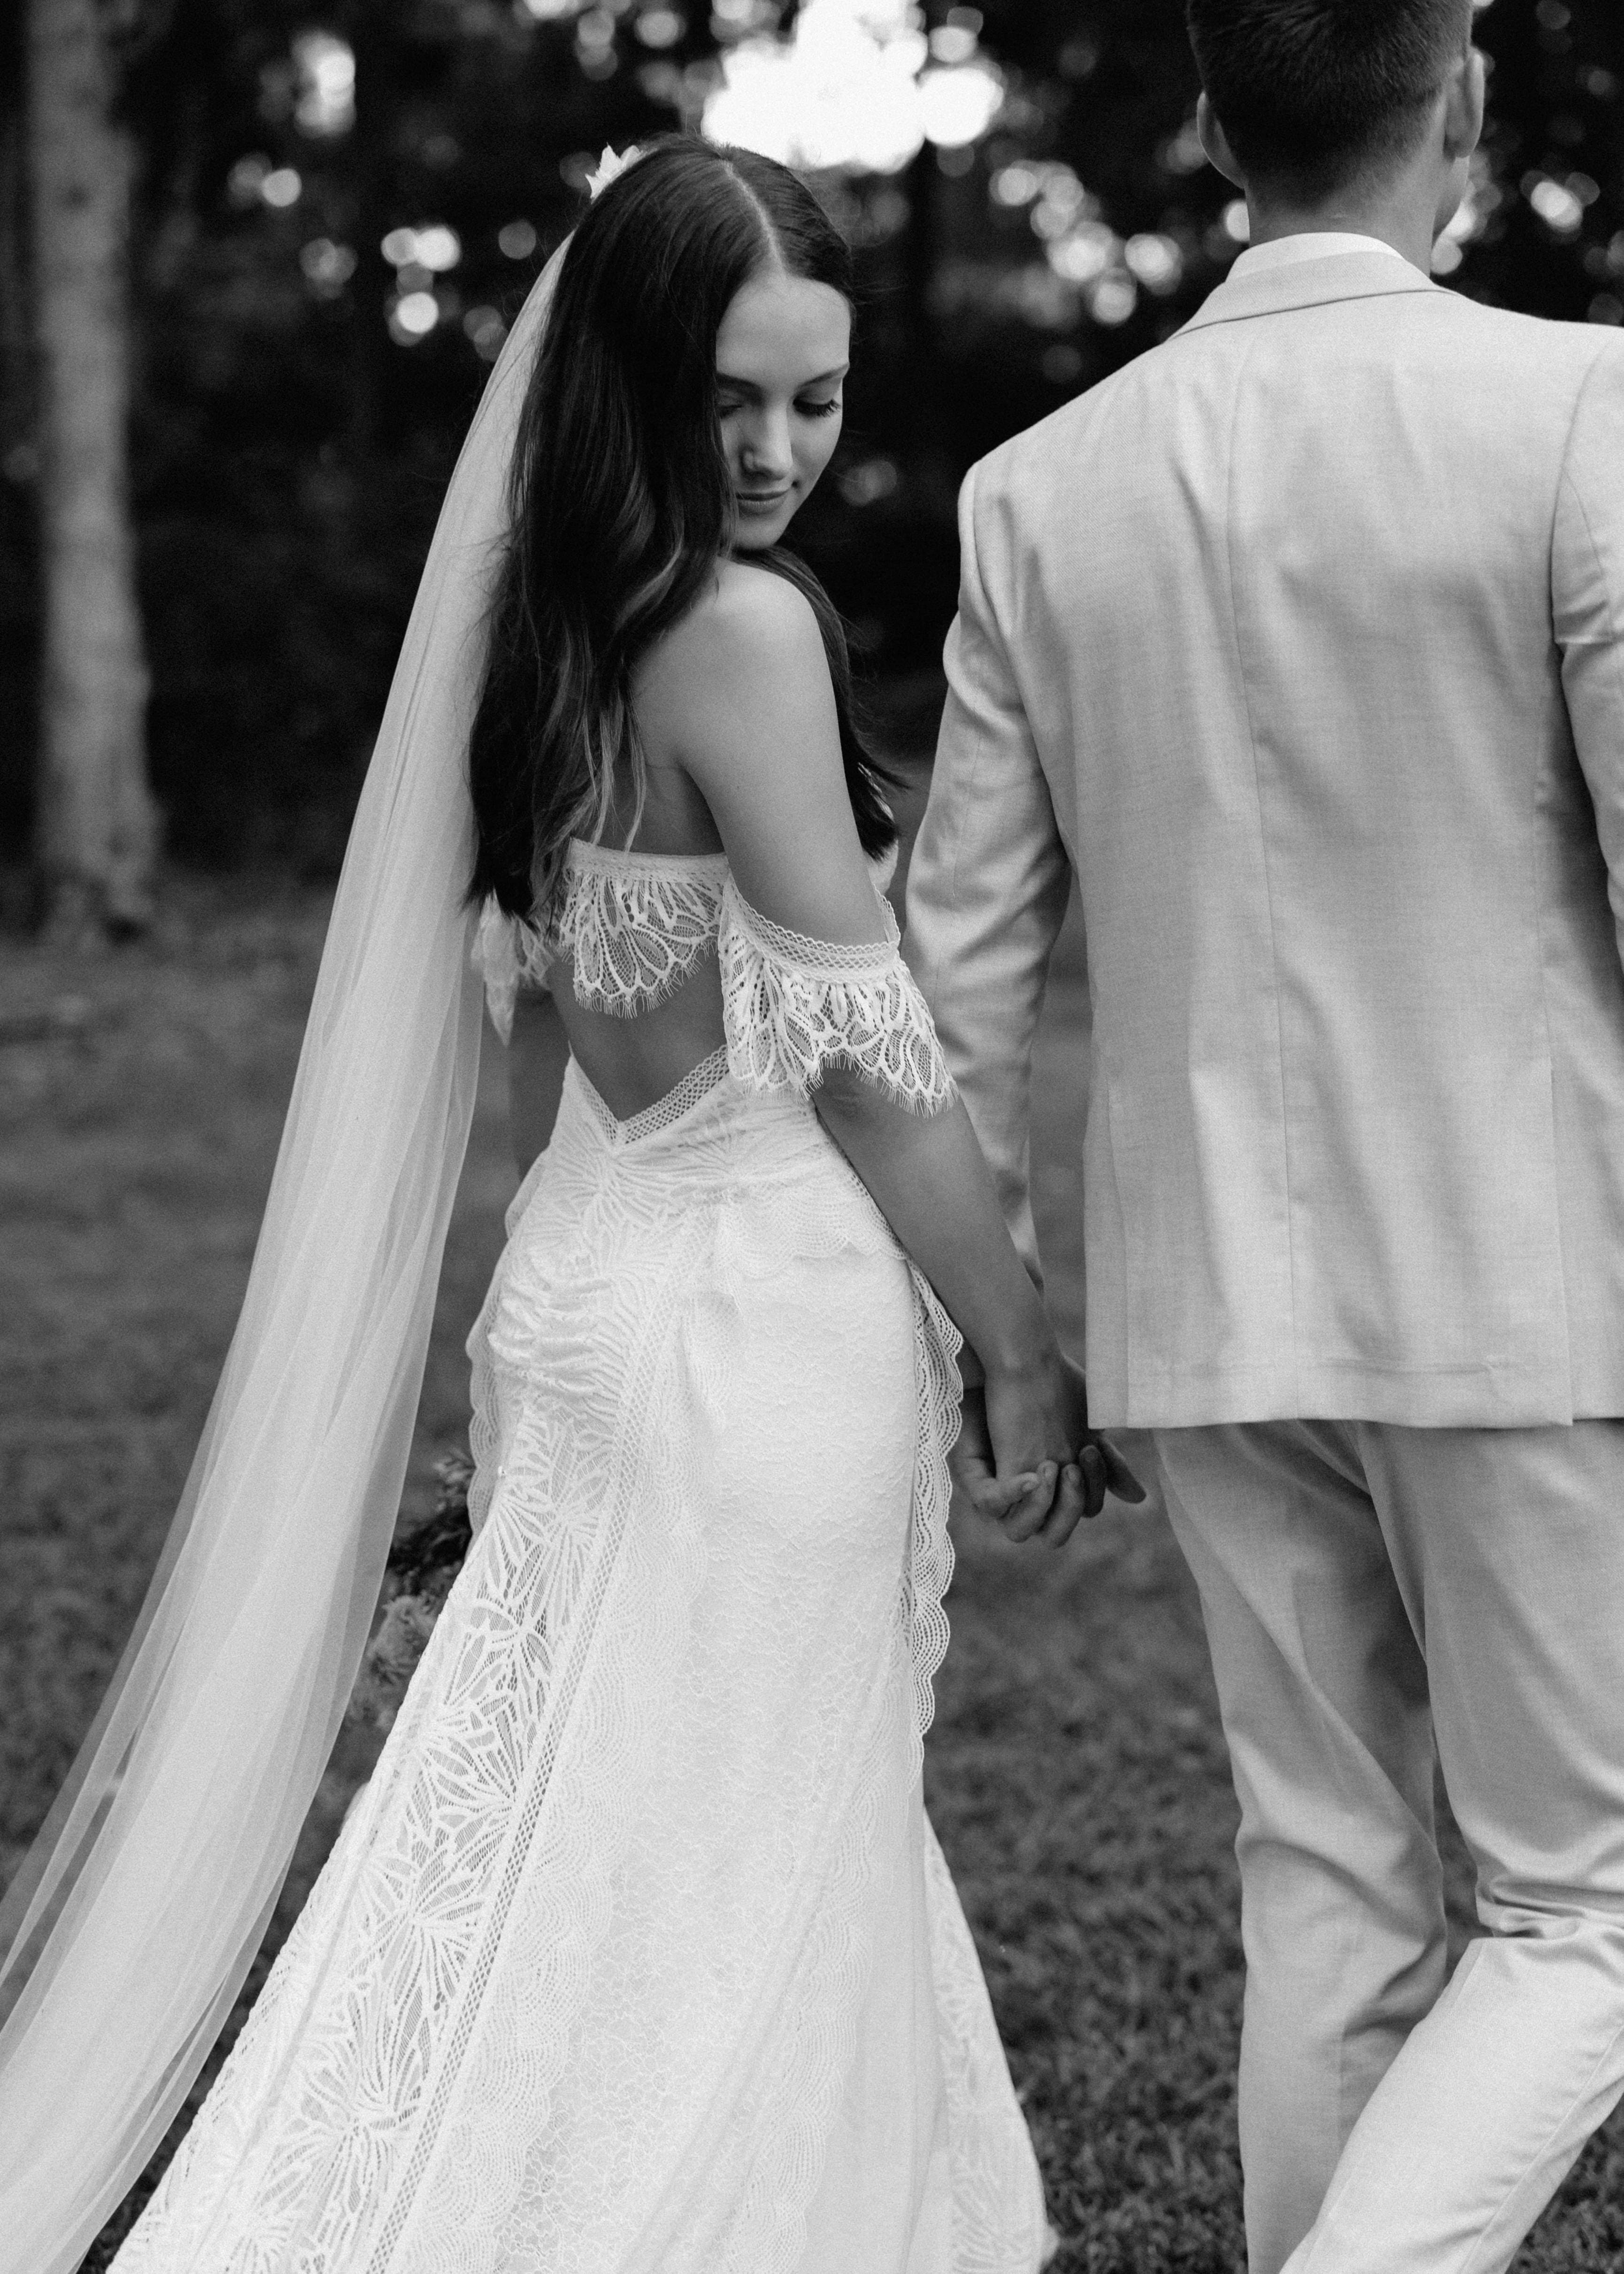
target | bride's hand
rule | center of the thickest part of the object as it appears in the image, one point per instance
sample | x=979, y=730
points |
x=1026, y=1457
x=1037, y=1415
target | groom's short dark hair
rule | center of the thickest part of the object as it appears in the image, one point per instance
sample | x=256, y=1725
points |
x=1314, y=89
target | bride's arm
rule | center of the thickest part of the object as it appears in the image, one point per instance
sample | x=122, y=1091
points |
x=746, y=684
x=1029, y=1407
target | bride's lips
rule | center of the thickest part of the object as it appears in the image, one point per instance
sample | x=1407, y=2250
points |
x=763, y=500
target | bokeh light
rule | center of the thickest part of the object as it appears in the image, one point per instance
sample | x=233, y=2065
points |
x=412, y=317
x=433, y=247
x=328, y=266
x=595, y=52
x=1184, y=153
x=437, y=249
x=1085, y=253
x=958, y=103
x=485, y=328
x=247, y=178
x=856, y=86
x=516, y=239
x=1557, y=204
x=869, y=480
x=660, y=28
x=1015, y=185
x=325, y=103
x=1112, y=300
x=1155, y=261
x=956, y=38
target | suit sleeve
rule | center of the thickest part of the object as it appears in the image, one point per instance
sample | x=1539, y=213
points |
x=987, y=886
x=1587, y=599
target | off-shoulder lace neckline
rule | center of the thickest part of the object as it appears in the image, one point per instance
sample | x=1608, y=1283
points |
x=635, y=924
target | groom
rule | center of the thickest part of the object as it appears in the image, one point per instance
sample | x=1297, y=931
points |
x=1301, y=643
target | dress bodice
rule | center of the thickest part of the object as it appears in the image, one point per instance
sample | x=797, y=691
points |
x=635, y=924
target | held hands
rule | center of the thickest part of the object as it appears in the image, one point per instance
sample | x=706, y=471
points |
x=1027, y=1459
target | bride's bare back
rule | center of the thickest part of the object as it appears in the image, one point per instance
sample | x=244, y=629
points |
x=736, y=701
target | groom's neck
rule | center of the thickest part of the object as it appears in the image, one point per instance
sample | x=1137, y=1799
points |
x=1400, y=209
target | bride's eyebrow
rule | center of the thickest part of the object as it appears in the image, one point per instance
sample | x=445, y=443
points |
x=748, y=386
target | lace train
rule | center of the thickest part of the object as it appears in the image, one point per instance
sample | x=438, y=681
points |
x=636, y=1954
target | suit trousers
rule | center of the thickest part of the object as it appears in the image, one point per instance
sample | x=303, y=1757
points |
x=1370, y=1592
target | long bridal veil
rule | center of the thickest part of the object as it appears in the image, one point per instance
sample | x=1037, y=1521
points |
x=128, y=1931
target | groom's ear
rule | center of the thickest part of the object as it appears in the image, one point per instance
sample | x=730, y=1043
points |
x=1465, y=97
x=1215, y=142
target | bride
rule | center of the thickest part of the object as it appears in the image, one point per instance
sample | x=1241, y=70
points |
x=637, y=1950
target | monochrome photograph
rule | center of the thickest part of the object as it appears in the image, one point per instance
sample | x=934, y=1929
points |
x=812, y=1137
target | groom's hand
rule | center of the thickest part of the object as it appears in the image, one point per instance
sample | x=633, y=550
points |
x=1103, y=1469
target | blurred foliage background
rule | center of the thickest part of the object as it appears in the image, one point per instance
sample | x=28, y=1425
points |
x=338, y=210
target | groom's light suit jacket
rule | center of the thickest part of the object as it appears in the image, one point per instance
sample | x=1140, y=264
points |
x=1301, y=640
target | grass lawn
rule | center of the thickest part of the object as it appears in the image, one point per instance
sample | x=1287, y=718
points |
x=1075, y=1772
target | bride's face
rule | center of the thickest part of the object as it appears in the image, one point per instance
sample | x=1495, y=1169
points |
x=781, y=356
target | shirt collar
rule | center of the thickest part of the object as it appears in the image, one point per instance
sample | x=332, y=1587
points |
x=1309, y=244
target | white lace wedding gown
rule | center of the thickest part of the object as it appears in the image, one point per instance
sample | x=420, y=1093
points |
x=637, y=1955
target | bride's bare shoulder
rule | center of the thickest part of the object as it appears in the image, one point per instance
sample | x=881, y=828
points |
x=750, y=640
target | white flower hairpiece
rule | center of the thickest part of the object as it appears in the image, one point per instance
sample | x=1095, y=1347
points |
x=611, y=166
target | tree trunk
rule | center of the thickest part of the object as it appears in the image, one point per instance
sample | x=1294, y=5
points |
x=15, y=356
x=96, y=831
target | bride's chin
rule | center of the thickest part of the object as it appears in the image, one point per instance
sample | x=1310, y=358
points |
x=757, y=537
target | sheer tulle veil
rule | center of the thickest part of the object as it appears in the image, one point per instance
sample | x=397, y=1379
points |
x=134, y=1919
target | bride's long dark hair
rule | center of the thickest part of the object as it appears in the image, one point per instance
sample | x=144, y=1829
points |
x=621, y=503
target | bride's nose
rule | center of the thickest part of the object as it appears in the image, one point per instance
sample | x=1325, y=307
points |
x=765, y=450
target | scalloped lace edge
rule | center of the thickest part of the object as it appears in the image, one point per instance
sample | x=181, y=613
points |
x=794, y=1006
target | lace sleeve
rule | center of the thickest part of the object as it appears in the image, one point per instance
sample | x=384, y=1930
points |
x=794, y=1005
x=509, y=954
